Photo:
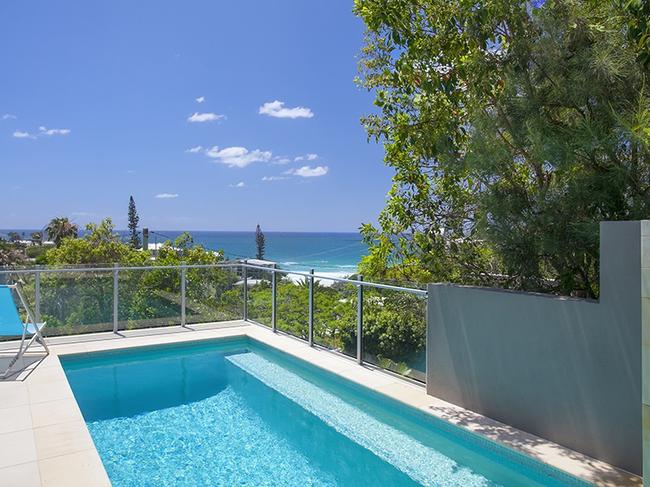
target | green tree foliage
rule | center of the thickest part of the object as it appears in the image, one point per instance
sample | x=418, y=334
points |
x=100, y=245
x=260, y=243
x=513, y=129
x=10, y=254
x=61, y=228
x=134, y=219
x=150, y=295
x=83, y=302
x=394, y=322
x=71, y=302
x=639, y=28
x=182, y=244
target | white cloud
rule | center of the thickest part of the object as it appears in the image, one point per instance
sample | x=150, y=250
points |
x=166, y=196
x=204, y=117
x=273, y=178
x=306, y=157
x=240, y=184
x=280, y=160
x=195, y=150
x=9, y=116
x=309, y=172
x=200, y=99
x=42, y=132
x=46, y=131
x=277, y=109
x=238, y=156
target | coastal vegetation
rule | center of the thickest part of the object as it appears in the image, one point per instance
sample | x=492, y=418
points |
x=513, y=129
x=82, y=302
x=260, y=243
x=134, y=219
x=394, y=328
x=61, y=228
x=10, y=255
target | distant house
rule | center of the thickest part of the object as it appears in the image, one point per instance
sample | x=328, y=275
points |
x=154, y=248
x=29, y=243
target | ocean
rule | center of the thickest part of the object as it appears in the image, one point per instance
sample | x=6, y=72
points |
x=326, y=252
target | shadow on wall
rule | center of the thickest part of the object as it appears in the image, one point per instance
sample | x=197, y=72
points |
x=565, y=369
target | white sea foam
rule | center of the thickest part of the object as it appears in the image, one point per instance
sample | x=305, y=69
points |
x=324, y=279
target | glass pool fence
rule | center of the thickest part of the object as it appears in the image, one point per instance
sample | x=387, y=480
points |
x=382, y=324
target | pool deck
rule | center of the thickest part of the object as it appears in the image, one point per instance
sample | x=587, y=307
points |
x=44, y=440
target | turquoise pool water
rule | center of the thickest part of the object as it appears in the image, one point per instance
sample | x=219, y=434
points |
x=235, y=412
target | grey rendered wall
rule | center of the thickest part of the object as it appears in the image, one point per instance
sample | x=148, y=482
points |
x=567, y=370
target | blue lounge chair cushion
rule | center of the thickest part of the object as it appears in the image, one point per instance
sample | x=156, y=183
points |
x=10, y=322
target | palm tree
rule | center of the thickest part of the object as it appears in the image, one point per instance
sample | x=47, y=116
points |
x=61, y=228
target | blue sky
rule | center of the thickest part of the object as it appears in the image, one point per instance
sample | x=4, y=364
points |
x=98, y=101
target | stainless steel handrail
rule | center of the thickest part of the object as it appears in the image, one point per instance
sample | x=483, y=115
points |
x=112, y=268
x=307, y=275
x=421, y=292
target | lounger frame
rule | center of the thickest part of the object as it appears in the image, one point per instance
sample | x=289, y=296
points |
x=36, y=335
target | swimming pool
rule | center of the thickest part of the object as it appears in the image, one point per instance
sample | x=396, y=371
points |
x=237, y=412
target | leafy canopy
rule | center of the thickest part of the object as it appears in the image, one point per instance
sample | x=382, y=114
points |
x=100, y=245
x=513, y=129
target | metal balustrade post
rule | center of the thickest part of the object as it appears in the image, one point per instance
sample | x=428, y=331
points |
x=183, y=281
x=115, y=298
x=37, y=296
x=274, y=295
x=360, y=320
x=426, y=335
x=311, y=308
x=245, y=276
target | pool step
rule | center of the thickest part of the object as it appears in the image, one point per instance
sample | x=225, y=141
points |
x=423, y=464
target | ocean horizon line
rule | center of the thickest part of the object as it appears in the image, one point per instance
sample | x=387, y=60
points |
x=3, y=230
x=336, y=252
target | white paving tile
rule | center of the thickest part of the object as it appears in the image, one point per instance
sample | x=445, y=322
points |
x=13, y=394
x=48, y=391
x=23, y=475
x=62, y=439
x=15, y=419
x=17, y=447
x=80, y=469
x=55, y=412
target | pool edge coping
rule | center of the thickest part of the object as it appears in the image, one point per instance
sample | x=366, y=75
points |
x=47, y=383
